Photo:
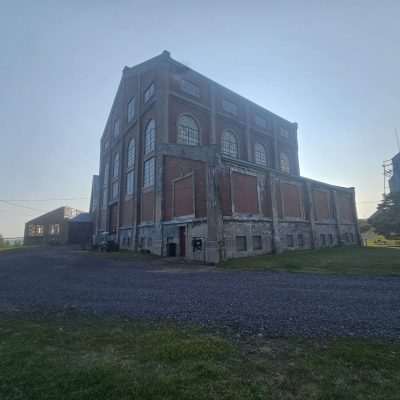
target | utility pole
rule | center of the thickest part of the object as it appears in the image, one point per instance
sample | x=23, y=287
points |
x=387, y=173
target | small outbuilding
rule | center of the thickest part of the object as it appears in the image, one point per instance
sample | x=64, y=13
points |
x=64, y=225
x=80, y=229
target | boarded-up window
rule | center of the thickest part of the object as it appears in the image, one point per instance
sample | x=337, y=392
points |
x=322, y=205
x=245, y=195
x=241, y=243
x=292, y=202
x=176, y=168
x=257, y=243
x=290, y=241
x=183, y=196
x=345, y=205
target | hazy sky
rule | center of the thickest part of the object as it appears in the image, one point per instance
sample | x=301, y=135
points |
x=331, y=66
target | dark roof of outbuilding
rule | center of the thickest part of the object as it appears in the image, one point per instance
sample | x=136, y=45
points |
x=83, y=217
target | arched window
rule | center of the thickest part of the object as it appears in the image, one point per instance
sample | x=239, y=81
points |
x=284, y=163
x=188, y=131
x=131, y=154
x=230, y=144
x=116, y=166
x=260, y=155
x=150, y=137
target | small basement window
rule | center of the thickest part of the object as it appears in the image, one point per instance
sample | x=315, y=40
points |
x=290, y=241
x=241, y=243
x=257, y=243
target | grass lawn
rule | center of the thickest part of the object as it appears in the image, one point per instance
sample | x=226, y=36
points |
x=83, y=358
x=10, y=248
x=343, y=260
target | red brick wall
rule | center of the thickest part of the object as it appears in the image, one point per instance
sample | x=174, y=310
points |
x=148, y=206
x=183, y=197
x=292, y=200
x=179, y=167
x=128, y=212
x=245, y=196
x=322, y=204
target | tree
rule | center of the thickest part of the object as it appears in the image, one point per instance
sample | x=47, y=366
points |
x=1, y=240
x=386, y=220
x=364, y=225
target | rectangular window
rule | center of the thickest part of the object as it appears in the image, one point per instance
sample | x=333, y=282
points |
x=351, y=238
x=54, y=229
x=130, y=176
x=116, y=128
x=189, y=88
x=300, y=240
x=261, y=122
x=150, y=138
x=131, y=109
x=35, y=230
x=241, y=243
x=149, y=93
x=346, y=237
x=284, y=132
x=115, y=189
x=323, y=240
x=148, y=178
x=257, y=243
x=290, y=241
x=330, y=238
x=229, y=107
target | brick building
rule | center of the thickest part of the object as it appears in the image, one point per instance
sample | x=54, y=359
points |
x=190, y=168
x=55, y=227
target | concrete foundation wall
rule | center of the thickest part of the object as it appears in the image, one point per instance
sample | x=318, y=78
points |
x=234, y=229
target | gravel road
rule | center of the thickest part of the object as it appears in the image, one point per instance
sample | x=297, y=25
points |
x=269, y=303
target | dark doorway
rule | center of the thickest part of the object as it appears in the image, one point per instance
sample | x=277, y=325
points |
x=182, y=241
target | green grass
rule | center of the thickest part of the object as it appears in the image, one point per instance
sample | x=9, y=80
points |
x=79, y=358
x=341, y=260
x=10, y=248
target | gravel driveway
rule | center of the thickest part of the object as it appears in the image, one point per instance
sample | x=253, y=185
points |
x=275, y=304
